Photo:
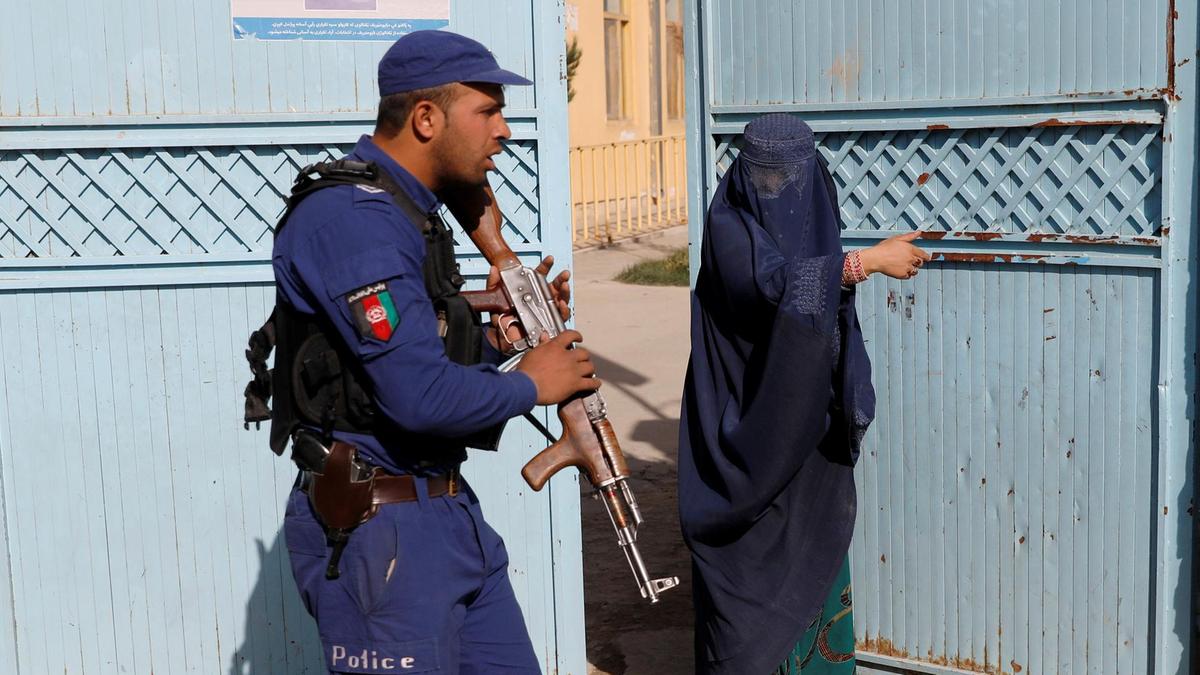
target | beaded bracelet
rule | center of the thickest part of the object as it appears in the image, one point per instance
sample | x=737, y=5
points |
x=852, y=270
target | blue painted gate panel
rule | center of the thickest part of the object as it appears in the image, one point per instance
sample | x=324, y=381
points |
x=145, y=58
x=870, y=52
x=1024, y=500
x=1006, y=488
x=141, y=171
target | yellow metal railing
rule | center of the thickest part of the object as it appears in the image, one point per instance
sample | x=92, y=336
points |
x=619, y=190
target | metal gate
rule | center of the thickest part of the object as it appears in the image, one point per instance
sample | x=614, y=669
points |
x=1025, y=500
x=144, y=148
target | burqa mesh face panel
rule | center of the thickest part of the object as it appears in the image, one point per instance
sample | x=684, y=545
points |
x=778, y=154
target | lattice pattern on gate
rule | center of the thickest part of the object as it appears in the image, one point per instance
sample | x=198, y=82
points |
x=1074, y=180
x=177, y=201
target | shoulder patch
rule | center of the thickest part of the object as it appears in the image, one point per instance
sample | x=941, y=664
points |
x=370, y=188
x=374, y=313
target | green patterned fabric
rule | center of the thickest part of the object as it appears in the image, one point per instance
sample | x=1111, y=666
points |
x=827, y=647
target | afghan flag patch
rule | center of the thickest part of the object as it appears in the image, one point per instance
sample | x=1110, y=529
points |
x=374, y=313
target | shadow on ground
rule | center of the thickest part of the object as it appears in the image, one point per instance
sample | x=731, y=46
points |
x=625, y=633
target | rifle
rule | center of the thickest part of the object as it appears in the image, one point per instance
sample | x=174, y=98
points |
x=588, y=442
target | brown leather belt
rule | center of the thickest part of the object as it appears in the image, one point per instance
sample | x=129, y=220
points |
x=384, y=488
x=356, y=493
x=343, y=499
x=389, y=489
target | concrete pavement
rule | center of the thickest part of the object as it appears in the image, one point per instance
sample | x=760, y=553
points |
x=638, y=336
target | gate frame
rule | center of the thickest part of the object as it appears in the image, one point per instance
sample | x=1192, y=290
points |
x=544, y=123
x=1179, y=304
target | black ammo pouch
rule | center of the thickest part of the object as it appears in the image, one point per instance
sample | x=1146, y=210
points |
x=316, y=381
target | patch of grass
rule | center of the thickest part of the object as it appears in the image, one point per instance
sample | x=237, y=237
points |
x=669, y=271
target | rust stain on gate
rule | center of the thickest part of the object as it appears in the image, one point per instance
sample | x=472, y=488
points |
x=1049, y=237
x=884, y=647
x=1056, y=122
x=1172, y=16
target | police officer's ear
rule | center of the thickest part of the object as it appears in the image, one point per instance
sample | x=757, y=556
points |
x=427, y=120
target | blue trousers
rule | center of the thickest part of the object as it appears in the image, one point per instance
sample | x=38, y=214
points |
x=424, y=588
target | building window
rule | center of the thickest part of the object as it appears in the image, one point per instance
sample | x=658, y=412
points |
x=676, y=95
x=616, y=43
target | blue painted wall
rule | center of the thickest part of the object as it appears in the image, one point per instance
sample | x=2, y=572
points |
x=142, y=161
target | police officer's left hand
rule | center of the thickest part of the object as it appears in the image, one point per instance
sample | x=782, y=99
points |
x=559, y=286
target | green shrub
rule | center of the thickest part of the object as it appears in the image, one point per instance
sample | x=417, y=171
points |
x=669, y=271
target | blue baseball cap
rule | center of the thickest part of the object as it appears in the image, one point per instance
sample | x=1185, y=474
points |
x=430, y=58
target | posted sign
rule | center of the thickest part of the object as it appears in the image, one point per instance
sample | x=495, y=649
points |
x=383, y=20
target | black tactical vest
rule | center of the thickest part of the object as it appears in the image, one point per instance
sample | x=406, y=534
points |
x=317, y=381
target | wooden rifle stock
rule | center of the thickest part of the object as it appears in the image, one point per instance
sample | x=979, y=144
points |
x=580, y=445
x=588, y=441
x=488, y=301
x=477, y=212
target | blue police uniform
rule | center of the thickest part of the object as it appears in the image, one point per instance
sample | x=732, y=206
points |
x=423, y=584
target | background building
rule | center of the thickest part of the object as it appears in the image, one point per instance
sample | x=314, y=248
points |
x=626, y=115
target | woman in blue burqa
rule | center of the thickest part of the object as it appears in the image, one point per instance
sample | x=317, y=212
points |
x=777, y=399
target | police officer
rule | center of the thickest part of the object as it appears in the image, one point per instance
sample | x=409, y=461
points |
x=421, y=585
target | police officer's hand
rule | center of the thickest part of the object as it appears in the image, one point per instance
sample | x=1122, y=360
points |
x=559, y=286
x=557, y=370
